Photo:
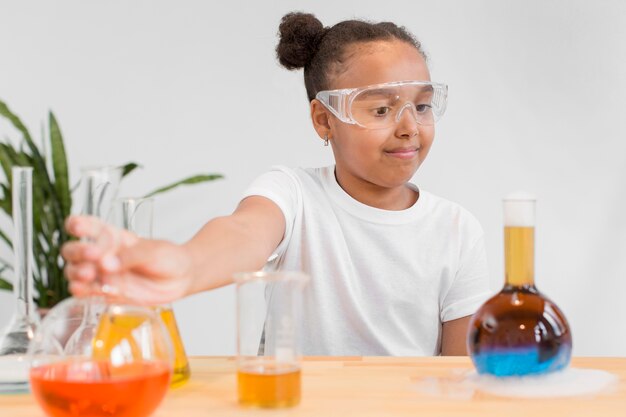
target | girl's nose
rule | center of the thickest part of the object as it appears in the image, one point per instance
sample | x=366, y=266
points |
x=408, y=123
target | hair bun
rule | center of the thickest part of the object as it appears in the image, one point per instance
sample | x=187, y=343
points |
x=300, y=36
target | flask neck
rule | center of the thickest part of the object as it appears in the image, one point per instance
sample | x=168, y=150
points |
x=24, y=304
x=23, y=241
x=519, y=255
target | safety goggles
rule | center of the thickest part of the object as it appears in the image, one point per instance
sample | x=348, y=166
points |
x=382, y=105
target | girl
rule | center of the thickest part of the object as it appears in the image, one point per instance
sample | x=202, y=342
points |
x=394, y=269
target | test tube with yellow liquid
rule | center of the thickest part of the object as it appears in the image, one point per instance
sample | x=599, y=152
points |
x=135, y=215
x=268, y=338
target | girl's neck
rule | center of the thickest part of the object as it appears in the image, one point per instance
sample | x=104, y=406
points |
x=395, y=198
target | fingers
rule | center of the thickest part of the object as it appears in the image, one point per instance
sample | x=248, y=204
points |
x=81, y=272
x=80, y=252
x=93, y=230
x=100, y=243
x=127, y=286
x=117, y=264
x=143, y=290
x=80, y=289
x=86, y=227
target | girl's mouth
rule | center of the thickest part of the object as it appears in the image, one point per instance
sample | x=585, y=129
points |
x=403, y=153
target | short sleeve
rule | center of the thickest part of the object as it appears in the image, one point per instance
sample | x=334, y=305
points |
x=279, y=185
x=470, y=288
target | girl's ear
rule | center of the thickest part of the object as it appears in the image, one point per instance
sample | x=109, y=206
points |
x=320, y=117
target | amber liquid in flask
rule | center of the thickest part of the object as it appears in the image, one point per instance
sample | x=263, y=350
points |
x=519, y=331
x=181, y=372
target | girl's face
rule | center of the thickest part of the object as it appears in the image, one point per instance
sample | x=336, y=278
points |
x=386, y=157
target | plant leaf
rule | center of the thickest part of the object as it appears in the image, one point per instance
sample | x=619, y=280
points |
x=59, y=166
x=15, y=121
x=196, y=179
x=129, y=167
x=5, y=285
x=48, y=229
x=6, y=202
x=5, y=161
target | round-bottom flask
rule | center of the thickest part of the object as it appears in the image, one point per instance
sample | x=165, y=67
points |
x=519, y=331
x=123, y=370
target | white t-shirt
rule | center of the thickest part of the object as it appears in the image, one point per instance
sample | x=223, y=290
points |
x=382, y=281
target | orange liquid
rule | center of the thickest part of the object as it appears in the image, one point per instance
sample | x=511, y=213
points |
x=95, y=389
x=270, y=387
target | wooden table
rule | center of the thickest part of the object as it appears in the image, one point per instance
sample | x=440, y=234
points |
x=368, y=386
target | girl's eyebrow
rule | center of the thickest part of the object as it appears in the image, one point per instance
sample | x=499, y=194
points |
x=427, y=90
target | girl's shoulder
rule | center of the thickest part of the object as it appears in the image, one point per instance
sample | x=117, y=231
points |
x=443, y=210
x=293, y=182
x=300, y=177
x=436, y=202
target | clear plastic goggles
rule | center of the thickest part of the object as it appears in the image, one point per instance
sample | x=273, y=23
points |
x=382, y=105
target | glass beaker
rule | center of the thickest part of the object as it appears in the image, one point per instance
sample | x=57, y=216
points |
x=519, y=331
x=20, y=330
x=136, y=215
x=268, y=338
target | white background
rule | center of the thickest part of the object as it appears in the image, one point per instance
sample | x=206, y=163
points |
x=537, y=102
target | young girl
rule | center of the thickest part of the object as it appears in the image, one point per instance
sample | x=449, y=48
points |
x=394, y=269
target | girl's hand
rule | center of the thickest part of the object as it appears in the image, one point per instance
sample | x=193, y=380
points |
x=122, y=265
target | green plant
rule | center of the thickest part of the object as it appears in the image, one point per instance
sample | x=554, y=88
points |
x=52, y=203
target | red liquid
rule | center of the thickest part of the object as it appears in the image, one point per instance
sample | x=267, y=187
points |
x=94, y=389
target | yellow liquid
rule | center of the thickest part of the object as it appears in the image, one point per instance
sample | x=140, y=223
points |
x=114, y=337
x=519, y=255
x=114, y=329
x=181, y=365
x=269, y=387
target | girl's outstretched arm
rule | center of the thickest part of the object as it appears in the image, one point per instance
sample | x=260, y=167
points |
x=240, y=242
x=157, y=271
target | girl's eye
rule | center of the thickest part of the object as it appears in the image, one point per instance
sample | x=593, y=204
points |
x=381, y=111
x=422, y=108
